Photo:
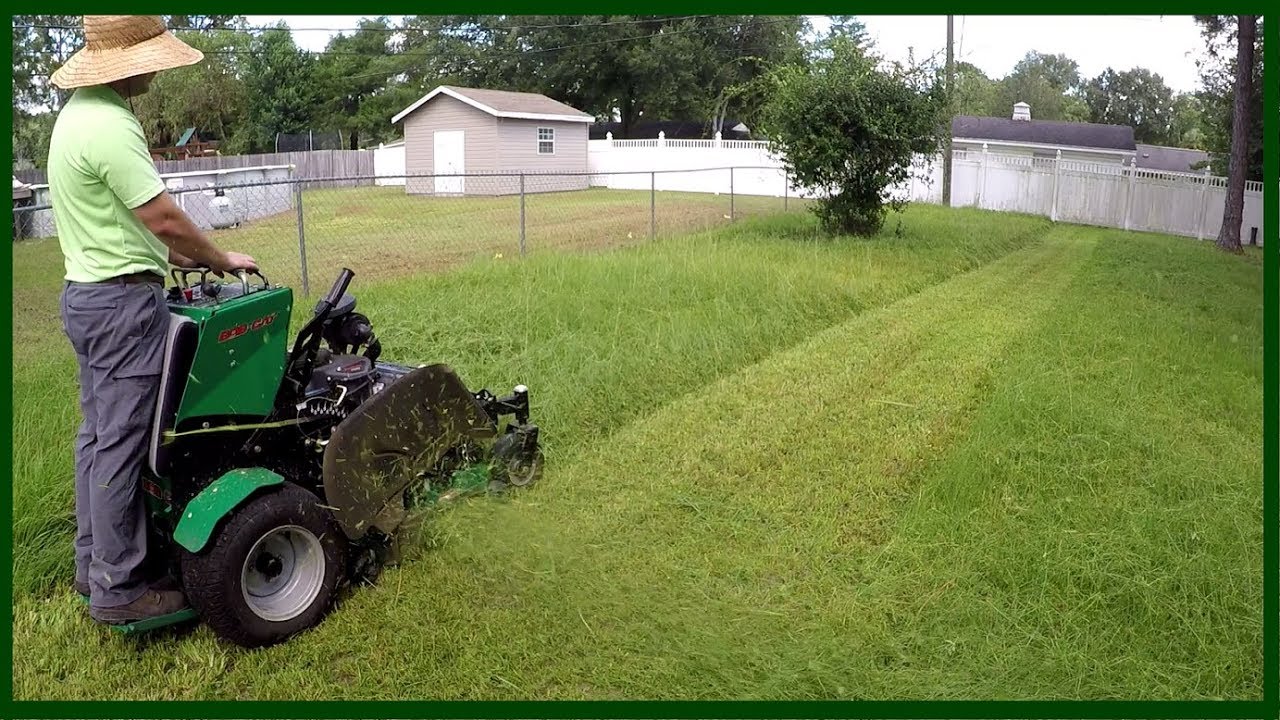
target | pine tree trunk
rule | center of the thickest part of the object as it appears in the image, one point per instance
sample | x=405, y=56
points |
x=1233, y=213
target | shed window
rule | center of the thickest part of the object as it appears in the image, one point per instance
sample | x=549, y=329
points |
x=546, y=141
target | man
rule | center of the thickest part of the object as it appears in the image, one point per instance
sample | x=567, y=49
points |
x=119, y=229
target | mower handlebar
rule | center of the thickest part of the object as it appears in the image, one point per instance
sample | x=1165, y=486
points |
x=339, y=287
x=180, y=275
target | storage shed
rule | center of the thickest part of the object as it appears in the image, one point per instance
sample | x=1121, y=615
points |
x=454, y=131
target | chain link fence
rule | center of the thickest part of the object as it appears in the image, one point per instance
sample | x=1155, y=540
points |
x=303, y=231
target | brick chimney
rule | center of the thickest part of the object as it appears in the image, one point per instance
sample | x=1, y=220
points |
x=1021, y=111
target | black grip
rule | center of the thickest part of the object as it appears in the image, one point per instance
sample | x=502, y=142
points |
x=339, y=287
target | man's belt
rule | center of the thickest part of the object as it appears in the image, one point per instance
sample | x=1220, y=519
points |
x=137, y=278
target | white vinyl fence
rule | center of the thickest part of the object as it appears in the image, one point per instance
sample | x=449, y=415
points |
x=1088, y=193
x=388, y=164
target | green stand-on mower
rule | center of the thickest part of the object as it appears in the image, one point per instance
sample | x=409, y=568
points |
x=277, y=474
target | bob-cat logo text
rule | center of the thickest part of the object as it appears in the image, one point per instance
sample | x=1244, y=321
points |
x=238, y=330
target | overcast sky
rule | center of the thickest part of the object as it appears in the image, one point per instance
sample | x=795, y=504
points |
x=1167, y=45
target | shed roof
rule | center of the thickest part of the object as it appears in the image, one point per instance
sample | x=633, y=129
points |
x=504, y=104
x=1159, y=157
x=1044, y=132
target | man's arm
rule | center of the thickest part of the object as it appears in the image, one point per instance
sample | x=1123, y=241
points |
x=167, y=221
x=126, y=167
x=178, y=260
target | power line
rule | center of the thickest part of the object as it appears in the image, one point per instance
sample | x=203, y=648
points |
x=502, y=55
x=754, y=22
x=574, y=46
x=393, y=30
x=412, y=55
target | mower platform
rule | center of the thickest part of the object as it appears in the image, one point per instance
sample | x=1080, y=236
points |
x=155, y=623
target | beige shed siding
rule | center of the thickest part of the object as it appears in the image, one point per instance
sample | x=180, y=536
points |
x=518, y=152
x=446, y=113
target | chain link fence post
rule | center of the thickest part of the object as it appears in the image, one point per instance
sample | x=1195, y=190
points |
x=653, y=205
x=521, y=214
x=302, y=240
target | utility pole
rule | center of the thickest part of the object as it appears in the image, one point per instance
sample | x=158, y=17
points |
x=951, y=86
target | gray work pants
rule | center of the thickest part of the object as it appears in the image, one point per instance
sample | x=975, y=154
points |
x=118, y=331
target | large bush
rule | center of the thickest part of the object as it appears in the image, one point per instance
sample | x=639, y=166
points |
x=848, y=128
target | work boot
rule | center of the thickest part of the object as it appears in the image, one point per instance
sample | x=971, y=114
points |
x=152, y=604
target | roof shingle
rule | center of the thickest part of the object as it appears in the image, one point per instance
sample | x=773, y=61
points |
x=506, y=101
x=1045, y=132
x=1159, y=157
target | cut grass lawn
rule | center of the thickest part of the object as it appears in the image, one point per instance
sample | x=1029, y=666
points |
x=780, y=468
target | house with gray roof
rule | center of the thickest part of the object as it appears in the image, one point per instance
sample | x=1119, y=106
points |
x=1171, y=159
x=476, y=141
x=1020, y=135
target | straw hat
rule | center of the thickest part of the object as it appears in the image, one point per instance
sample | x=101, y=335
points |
x=122, y=46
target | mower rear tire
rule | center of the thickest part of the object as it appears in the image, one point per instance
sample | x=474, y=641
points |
x=270, y=571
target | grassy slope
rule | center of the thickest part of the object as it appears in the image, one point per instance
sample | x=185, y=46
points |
x=998, y=486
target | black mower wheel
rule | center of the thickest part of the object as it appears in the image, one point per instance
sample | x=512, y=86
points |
x=270, y=571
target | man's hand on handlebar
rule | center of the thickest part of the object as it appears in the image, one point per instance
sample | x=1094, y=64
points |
x=233, y=261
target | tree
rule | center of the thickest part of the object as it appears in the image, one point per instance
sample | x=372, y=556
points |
x=631, y=67
x=975, y=93
x=846, y=126
x=31, y=135
x=357, y=67
x=1059, y=70
x=1237, y=170
x=742, y=51
x=1218, y=97
x=280, y=90
x=1138, y=98
x=847, y=27
x=1186, y=129
x=205, y=22
x=209, y=95
x=41, y=44
x=1050, y=84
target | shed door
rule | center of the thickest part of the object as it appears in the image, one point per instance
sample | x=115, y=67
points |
x=449, y=151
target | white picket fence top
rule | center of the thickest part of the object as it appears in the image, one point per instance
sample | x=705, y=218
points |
x=662, y=141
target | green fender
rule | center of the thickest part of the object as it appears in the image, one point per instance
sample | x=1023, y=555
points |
x=217, y=501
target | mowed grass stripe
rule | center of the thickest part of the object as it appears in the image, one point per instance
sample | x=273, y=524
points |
x=1097, y=532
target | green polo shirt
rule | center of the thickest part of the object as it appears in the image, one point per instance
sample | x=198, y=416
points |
x=99, y=171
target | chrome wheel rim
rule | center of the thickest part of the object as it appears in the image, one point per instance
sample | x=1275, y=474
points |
x=283, y=573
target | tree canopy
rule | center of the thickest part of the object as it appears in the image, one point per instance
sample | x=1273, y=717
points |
x=256, y=82
x=851, y=127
